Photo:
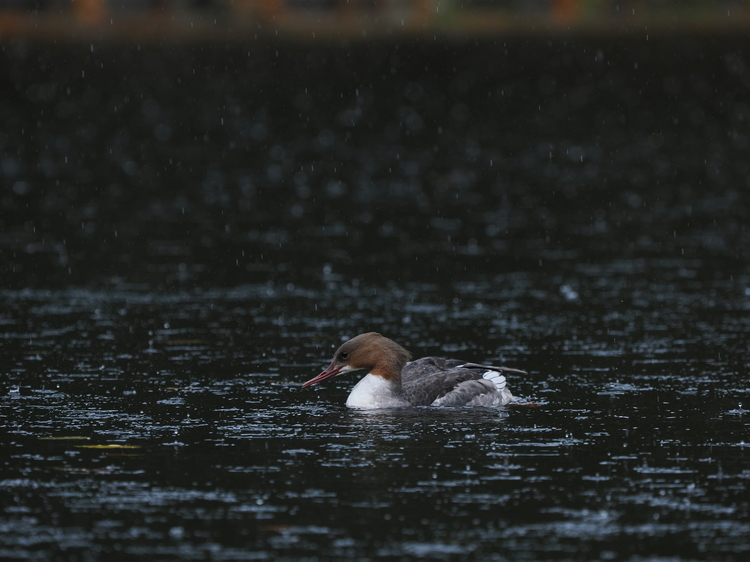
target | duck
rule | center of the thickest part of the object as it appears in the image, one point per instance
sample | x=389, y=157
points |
x=394, y=381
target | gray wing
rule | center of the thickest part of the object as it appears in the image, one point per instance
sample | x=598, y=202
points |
x=450, y=382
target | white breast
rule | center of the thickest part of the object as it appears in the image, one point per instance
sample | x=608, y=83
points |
x=375, y=392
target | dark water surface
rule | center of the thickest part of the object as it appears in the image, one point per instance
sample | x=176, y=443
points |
x=188, y=231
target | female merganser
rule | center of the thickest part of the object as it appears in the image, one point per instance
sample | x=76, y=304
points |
x=392, y=381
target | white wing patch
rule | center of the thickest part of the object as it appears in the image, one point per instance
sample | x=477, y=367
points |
x=495, y=378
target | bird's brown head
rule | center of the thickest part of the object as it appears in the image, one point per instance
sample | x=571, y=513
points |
x=369, y=352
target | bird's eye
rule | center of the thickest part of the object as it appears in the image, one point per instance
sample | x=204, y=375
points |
x=343, y=355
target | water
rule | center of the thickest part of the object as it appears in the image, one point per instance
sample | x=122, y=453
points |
x=576, y=209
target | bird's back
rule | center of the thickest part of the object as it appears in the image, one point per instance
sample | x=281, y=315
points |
x=435, y=381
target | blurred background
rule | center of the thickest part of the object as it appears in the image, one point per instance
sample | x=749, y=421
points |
x=193, y=142
x=357, y=18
